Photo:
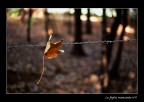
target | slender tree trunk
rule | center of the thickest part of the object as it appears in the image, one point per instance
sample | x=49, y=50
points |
x=104, y=64
x=46, y=24
x=68, y=22
x=112, y=34
x=23, y=13
x=135, y=23
x=29, y=26
x=78, y=49
x=88, y=24
x=115, y=68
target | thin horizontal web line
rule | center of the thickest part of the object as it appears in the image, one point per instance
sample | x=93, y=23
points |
x=74, y=43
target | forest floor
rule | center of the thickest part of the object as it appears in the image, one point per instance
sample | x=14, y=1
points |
x=66, y=73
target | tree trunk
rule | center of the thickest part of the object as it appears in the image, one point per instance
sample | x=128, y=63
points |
x=115, y=68
x=88, y=24
x=135, y=23
x=29, y=26
x=78, y=50
x=46, y=24
x=112, y=34
x=68, y=23
x=104, y=64
x=23, y=14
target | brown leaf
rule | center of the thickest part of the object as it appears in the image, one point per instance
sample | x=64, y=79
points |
x=52, y=50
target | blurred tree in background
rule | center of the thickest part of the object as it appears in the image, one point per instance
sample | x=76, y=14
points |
x=29, y=26
x=78, y=50
x=88, y=23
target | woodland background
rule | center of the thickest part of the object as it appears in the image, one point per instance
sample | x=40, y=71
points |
x=86, y=68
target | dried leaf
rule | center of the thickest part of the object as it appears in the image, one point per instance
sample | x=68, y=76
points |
x=52, y=49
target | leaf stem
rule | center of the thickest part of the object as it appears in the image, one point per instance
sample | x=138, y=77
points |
x=42, y=72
